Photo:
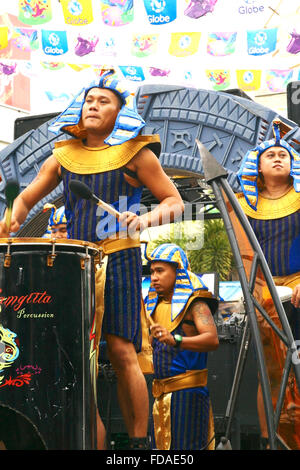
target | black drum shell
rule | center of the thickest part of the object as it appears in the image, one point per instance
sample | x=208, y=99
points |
x=48, y=387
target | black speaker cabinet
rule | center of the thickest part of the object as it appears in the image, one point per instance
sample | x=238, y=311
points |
x=221, y=369
x=28, y=123
x=293, y=101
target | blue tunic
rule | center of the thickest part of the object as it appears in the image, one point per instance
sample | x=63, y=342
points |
x=280, y=242
x=85, y=221
x=190, y=407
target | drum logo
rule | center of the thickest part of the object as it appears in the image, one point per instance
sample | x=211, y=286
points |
x=9, y=350
x=17, y=302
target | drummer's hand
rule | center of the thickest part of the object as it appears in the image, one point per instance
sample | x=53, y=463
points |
x=162, y=334
x=133, y=222
x=4, y=231
x=295, y=300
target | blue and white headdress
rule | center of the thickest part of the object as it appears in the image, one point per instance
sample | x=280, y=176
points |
x=128, y=123
x=57, y=217
x=248, y=173
x=186, y=283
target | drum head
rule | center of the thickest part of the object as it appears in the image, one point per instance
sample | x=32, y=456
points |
x=60, y=244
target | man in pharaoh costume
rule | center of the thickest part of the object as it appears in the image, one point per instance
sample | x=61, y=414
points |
x=108, y=154
x=270, y=180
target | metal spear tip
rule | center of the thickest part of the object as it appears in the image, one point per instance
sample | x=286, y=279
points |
x=211, y=168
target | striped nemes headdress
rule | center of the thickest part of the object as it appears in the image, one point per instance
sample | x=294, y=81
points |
x=248, y=172
x=57, y=217
x=186, y=282
x=128, y=123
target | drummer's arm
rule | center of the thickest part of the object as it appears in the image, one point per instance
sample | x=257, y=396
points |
x=46, y=180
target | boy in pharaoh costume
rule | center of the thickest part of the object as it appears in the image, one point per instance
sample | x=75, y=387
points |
x=183, y=331
x=57, y=223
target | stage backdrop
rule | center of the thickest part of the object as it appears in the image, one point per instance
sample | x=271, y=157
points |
x=50, y=48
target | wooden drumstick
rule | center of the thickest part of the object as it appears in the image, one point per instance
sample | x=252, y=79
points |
x=83, y=191
x=11, y=191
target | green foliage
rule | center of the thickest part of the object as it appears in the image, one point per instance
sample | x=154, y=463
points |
x=213, y=252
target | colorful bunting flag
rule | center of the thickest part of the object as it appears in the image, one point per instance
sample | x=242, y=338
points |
x=52, y=65
x=161, y=12
x=144, y=45
x=198, y=8
x=25, y=39
x=277, y=80
x=35, y=12
x=135, y=74
x=261, y=41
x=248, y=80
x=54, y=42
x=293, y=46
x=155, y=72
x=3, y=37
x=85, y=45
x=152, y=33
x=221, y=44
x=220, y=79
x=77, y=12
x=117, y=12
x=184, y=44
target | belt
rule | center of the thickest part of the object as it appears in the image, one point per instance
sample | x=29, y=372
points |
x=112, y=245
x=189, y=379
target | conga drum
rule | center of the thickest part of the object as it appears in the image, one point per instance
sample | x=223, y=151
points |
x=47, y=364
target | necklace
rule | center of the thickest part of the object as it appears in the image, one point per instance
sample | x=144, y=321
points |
x=278, y=196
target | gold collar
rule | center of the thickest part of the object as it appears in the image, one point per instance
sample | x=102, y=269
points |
x=162, y=312
x=77, y=158
x=268, y=209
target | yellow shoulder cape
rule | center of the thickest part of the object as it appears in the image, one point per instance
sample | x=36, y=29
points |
x=160, y=313
x=268, y=209
x=77, y=158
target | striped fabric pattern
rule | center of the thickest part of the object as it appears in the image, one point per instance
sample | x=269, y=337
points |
x=163, y=356
x=123, y=296
x=190, y=407
x=280, y=243
x=124, y=268
x=167, y=361
x=189, y=419
x=86, y=221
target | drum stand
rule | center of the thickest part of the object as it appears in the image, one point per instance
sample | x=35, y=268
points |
x=109, y=376
x=236, y=222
